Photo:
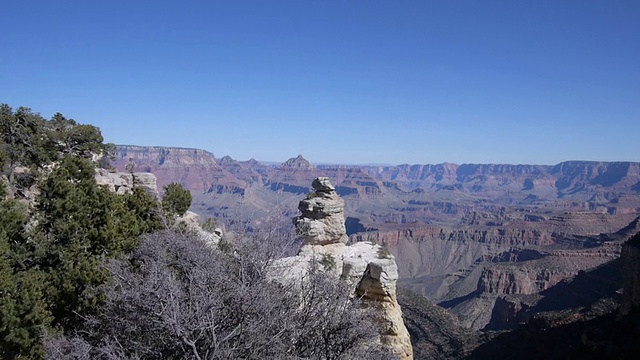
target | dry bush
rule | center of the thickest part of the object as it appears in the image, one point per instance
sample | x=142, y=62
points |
x=176, y=297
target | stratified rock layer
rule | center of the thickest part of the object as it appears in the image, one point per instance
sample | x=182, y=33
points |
x=369, y=268
x=322, y=219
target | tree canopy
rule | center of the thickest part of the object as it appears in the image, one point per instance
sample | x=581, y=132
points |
x=53, y=245
x=176, y=199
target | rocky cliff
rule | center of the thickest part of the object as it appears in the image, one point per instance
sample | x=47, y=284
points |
x=404, y=194
x=580, y=318
x=370, y=270
x=195, y=169
x=488, y=281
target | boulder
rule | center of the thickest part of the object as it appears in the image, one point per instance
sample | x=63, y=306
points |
x=323, y=184
x=147, y=181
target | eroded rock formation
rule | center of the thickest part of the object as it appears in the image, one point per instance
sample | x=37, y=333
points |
x=370, y=269
x=322, y=219
x=122, y=182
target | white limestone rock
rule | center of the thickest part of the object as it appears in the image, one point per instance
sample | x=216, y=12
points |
x=370, y=269
x=122, y=183
x=322, y=218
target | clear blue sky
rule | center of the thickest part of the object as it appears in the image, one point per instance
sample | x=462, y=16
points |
x=338, y=81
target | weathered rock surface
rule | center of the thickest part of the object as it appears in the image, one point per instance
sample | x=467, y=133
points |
x=322, y=219
x=520, y=280
x=369, y=268
x=192, y=221
x=122, y=183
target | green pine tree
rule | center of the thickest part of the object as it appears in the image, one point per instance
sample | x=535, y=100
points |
x=23, y=313
x=176, y=199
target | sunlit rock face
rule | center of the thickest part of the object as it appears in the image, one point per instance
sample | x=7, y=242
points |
x=322, y=218
x=123, y=182
x=369, y=268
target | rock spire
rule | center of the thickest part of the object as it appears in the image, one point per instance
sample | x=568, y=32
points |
x=322, y=218
x=370, y=270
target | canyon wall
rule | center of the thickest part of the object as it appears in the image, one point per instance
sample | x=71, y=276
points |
x=479, y=239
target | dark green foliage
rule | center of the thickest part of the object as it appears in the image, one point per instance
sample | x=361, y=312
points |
x=23, y=313
x=52, y=252
x=70, y=138
x=3, y=156
x=29, y=140
x=146, y=209
x=23, y=140
x=82, y=224
x=172, y=297
x=176, y=199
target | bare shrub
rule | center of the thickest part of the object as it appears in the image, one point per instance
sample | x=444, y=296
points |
x=176, y=297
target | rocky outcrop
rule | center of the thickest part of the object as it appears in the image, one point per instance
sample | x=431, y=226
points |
x=192, y=221
x=369, y=268
x=322, y=219
x=122, y=183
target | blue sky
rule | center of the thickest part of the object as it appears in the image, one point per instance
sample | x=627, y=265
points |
x=338, y=81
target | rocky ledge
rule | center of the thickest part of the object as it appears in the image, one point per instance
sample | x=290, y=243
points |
x=123, y=182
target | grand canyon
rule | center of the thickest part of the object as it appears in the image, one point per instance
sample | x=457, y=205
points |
x=483, y=250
